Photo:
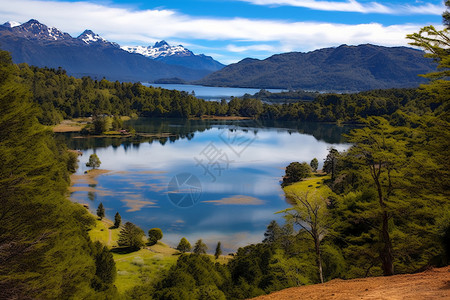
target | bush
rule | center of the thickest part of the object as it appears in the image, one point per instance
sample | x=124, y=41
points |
x=154, y=235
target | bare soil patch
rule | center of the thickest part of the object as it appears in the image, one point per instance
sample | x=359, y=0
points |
x=431, y=284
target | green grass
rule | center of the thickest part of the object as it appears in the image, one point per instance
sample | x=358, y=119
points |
x=314, y=184
x=101, y=232
x=143, y=266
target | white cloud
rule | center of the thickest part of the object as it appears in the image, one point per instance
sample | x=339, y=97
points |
x=129, y=26
x=354, y=6
x=234, y=48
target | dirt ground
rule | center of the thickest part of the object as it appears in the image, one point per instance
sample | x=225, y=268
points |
x=431, y=284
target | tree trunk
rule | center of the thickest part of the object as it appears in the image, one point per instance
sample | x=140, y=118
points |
x=318, y=259
x=386, y=252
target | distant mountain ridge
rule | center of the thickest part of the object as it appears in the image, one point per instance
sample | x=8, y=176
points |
x=86, y=55
x=176, y=55
x=344, y=68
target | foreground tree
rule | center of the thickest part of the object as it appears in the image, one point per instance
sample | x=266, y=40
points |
x=273, y=232
x=94, y=162
x=200, y=247
x=131, y=236
x=184, y=246
x=310, y=212
x=45, y=251
x=154, y=235
x=105, y=267
x=100, y=211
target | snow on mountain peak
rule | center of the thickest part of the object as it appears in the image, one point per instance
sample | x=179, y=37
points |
x=11, y=24
x=89, y=37
x=160, y=49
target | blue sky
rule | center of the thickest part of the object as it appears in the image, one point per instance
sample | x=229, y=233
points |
x=230, y=30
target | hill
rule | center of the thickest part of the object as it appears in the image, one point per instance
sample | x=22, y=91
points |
x=345, y=68
x=87, y=55
x=431, y=284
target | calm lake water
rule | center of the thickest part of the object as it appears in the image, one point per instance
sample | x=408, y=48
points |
x=215, y=180
x=211, y=93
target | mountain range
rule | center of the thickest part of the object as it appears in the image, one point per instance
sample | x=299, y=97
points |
x=344, y=68
x=91, y=55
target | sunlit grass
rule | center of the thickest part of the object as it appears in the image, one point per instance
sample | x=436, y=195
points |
x=314, y=184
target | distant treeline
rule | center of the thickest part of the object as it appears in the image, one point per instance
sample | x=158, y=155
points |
x=60, y=96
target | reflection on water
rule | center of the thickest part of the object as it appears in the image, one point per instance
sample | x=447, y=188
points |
x=238, y=164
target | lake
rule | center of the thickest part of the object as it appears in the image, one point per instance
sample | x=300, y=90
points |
x=211, y=93
x=215, y=180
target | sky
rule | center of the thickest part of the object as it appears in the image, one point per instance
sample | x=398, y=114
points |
x=231, y=30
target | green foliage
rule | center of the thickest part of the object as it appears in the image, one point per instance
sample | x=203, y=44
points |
x=100, y=211
x=184, y=245
x=44, y=246
x=193, y=277
x=131, y=237
x=314, y=164
x=117, y=220
x=200, y=247
x=105, y=268
x=273, y=232
x=332, y=163
x=154, y=235
x=295, y=172
x=94, y=162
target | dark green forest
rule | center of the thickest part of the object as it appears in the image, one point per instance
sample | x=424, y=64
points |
x=389, y=211
x=60, y=97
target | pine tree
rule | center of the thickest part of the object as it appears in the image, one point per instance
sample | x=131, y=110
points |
x=218, y=250
x=200, y=247
x=131, y=236
x=101, y=211
x=117, y=220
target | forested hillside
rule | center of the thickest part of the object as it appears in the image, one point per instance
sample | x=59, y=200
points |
x=60, y=96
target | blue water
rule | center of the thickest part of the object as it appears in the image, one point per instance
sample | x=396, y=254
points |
x=211, y=93
x=238, y=169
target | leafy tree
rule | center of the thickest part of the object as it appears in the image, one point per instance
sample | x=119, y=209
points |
x=200, y=247
x=101, y=124
x=154, y=235
x=295, y=172
x=184, y=246
x=314, y=164
x=100, y=211
x=94, y=162
x=310, y=212
x=218, y=250
x=117, y=220
x=131, y=236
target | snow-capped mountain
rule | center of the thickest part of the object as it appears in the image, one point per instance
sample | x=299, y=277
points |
x=92, y=38
x=160, y=49
x=35, y=30
x=11, y=24
x=176, y=55
x=88, y=54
